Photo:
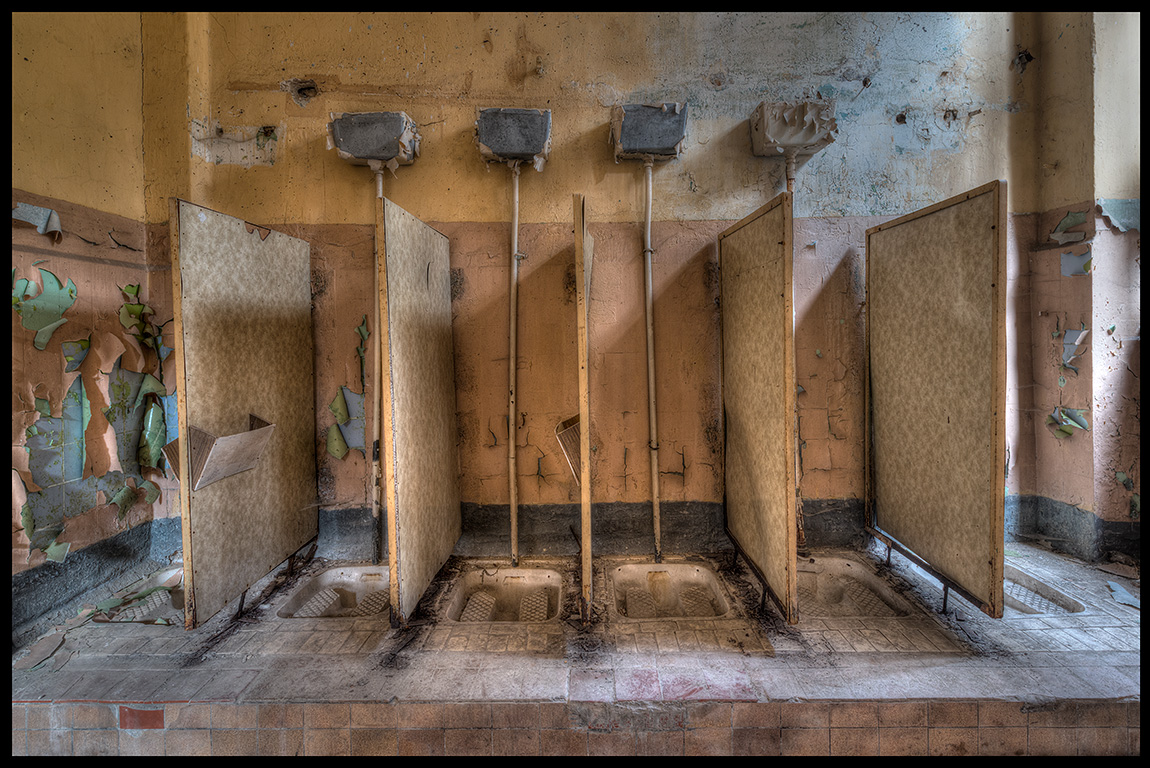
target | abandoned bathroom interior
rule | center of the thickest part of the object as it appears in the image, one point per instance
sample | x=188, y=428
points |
x=576, y=383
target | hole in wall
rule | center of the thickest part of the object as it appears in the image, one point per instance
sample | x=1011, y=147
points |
x=302, y=90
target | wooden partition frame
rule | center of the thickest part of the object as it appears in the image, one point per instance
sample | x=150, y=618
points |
x=243, y=351
x=936, y=389
x=584, y=255
x=416, y=378
x=756, y=272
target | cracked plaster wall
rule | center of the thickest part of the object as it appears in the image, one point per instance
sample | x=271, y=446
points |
x=117, y=112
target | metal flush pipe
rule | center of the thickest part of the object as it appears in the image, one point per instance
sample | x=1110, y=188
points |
x=512, y=366
x=789, y=159
x=654, y=442
x=377, y=395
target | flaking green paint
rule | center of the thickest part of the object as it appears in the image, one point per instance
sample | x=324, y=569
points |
x=42, y=308
x=137, y=318
x=335, y=443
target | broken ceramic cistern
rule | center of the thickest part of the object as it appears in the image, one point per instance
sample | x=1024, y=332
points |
x=794, y=130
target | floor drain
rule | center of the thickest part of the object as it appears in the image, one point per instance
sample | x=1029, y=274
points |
x=533, y=607
x=480, y=606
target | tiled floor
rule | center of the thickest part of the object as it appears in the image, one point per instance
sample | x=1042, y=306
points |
x=917, y=683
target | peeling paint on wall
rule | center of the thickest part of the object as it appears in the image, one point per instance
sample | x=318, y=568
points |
x=348, y=433
x=136, y=317
x=1071, y=219
x=41, y=307
x=1066, y=420
x=361, y=350
x=1123, y=214
x=1076, y=264
x=46, y=221
x=74, y=353
x=244, y=146
x=1072, y=341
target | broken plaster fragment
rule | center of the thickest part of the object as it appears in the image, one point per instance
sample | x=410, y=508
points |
x=41, y=651
x=1123, y=596
x=43, y=311
x=57, y=551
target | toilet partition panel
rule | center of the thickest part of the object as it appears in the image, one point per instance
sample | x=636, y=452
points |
x=755, y=262
x=584, y=252
x=416, y=375
x=936, y=339
x=243, y=357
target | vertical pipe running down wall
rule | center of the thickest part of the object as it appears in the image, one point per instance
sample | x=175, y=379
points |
x=513, y=489
x=649, y=285
x=377, y=393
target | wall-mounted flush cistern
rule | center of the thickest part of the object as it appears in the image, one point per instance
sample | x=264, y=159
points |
x=376, y=139
x=794, y=131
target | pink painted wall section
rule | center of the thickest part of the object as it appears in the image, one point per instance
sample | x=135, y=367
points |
x=1064, y=465
x=342, y=287
x=99, y=254
x=829, y=285
x=1117, y=426
x=829, y=300
x=1021, y=418
x=687, y=355
x=1095, y=470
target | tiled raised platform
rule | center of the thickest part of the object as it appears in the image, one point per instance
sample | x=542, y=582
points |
x=741, y=684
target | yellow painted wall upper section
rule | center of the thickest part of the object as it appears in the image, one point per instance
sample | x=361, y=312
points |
x=123, y=111
x=77, y=123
